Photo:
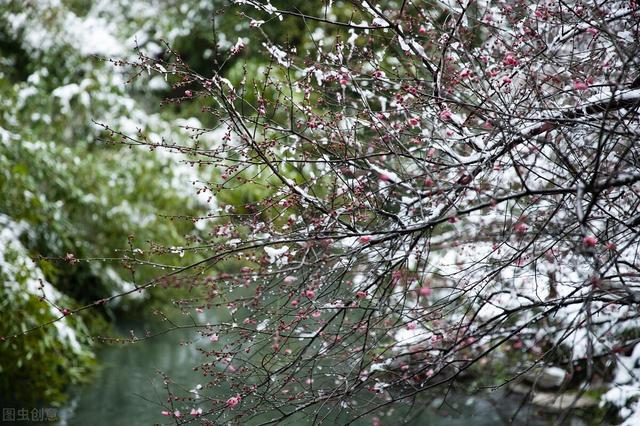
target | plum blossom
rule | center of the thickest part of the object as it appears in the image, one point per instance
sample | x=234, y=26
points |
x=520, y=228
x=510, y=60
x=465, y=73
x=233, y=401
x=445, y=115
x=425, y=291
x=580, y=85
x=590, y=241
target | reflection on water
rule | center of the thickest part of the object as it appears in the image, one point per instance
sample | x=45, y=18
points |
x=128, y=391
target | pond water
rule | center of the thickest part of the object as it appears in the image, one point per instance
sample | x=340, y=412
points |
x=127, y=391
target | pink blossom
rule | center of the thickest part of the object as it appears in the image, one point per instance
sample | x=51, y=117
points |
x=422, y=29
x=592, y=31
x=412, y=326
x=316, y=314
x=294, y=303
x=365, y=239
x=233, y=401
x=310, y=294
x=445, y=115
x=542, y=13
x=590, y=241
x=428, y=182
x=510, y=60
x=580, y=85
x=361, y=294
x=289, y=279
x=177, y=414
x=237, y=48
x=611, y=246
x=425, y=291
x=188, y=93
x=520, y=228
x=166, y=413
x=196, y=412
x=213, y=338
x=414, y=121
x=199, y=310
x=465, y=73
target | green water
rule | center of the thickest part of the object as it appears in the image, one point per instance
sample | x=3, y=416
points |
x=128, y=391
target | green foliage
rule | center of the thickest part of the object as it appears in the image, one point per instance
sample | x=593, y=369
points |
x=64, y=190
x=37, y=366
